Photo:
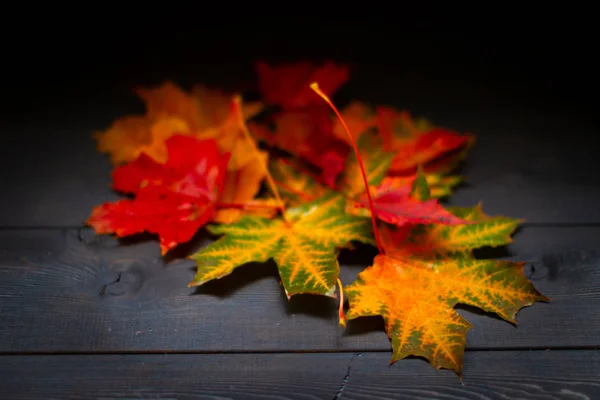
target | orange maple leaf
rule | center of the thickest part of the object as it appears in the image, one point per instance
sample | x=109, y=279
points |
x=170, y=100
x=170, y=110
x=417, y=303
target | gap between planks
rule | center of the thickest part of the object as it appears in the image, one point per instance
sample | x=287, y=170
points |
x=283, y=351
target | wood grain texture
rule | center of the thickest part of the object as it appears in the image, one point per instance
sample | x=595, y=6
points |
x=498, y=375
x=524, y=164
x=73, y=291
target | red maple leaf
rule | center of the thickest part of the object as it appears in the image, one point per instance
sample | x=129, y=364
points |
x=304, y=127
x=308, y=134
x=415, y=142
x=287, y=84
x=173, y=199
x=398, y=205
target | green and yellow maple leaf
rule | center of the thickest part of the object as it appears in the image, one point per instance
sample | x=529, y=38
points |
x=433, y=243
x=417, y=303
x=305, y=247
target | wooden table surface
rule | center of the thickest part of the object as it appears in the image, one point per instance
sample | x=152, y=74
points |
x=84, y=316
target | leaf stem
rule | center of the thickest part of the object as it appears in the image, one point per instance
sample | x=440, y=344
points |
x=341, y=308
x=237, y=101
x=315, y=87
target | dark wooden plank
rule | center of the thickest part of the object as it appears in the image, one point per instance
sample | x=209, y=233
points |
x=65, y=291
x=525, y=164
x=52, y=174
x=490, y=375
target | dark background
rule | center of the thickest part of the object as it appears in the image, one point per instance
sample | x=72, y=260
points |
x=494, y=57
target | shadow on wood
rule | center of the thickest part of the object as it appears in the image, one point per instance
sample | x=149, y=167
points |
x=492, y=252
x=363, y=325
x=240, y=277
x=361, y=256
x=313, y=305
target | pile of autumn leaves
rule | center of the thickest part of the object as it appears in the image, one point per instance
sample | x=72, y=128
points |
x=278, y=179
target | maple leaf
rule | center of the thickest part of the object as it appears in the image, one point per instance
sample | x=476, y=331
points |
x=417, y=303
x=173, y=199
x=416, y=142
x=170, y=110
x=170, y=100
x=287, y=84
x=194, y=168
x=175, y=218
x=409, y=204
x=202, y=108
x=129, y=137
x=305, y=248
x=305, y=128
